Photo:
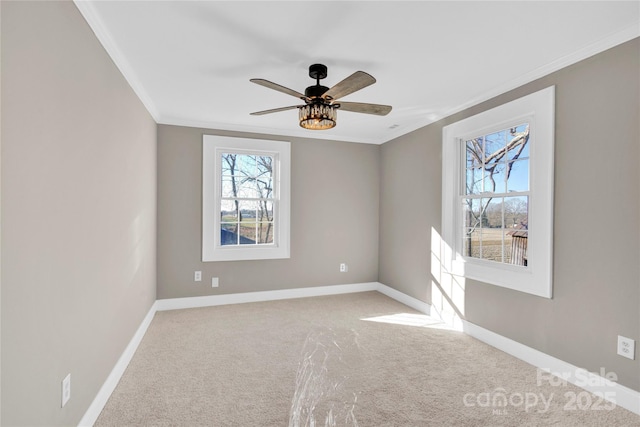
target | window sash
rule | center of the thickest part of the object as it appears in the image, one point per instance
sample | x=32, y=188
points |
x=220, y=152
x=481, y=245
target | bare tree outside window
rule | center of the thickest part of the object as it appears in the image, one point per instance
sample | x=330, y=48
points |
x=247, y=203
x=496, y=194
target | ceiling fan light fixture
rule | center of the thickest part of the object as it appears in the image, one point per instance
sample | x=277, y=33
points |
x=321, y=109
x=317, y=116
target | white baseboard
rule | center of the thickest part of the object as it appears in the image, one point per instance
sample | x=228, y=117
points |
x=405, y=299
x=619, y=394
x=213, y=300
x=113, y=379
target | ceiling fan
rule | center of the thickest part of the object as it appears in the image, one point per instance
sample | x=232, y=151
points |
x=320, y=108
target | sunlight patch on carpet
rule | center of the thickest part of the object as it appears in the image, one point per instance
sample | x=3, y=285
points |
x=410, y=319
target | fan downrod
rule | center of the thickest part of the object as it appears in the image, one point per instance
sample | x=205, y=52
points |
x=318, y=72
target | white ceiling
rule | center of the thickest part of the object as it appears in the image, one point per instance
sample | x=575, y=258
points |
x=190, y=61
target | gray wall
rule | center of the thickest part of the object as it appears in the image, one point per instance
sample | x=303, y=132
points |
x=597, y=236
x=334, y=218
x=78, y=213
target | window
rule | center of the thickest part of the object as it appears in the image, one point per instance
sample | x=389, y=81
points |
x=245, y=207
x=497, y=200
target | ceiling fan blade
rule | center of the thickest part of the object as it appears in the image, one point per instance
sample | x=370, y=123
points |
x=279, y=88
x=275, y=110
x=354, y=82
x=359, y=107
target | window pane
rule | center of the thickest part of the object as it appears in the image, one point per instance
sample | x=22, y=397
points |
x=492, y=244
x=264, y=187
x=265, y=232
x=265, y=210
x=508, y=239
x=264, y=176
x=247, y=176
x=492, y=213
x=248, y=209
x=493, y=162
x=264, y=166
x=516, y=211
x=228, y=163
x=247, y=188
x=237, y=186
x=519, y=138
x=519, y=176
x=247, y=233
x=474, y=181
x=228, y=233
x=471, y=211
x=494, y=177
x=474, y=153
x=228, y=211
x=494, y=146
x=489, y=157
x=471, y=247
x=228, y=189
x=245, y=165
x=484, y=217
x=516, y=242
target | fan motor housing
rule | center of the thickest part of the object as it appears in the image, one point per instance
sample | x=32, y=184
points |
x=315, y=91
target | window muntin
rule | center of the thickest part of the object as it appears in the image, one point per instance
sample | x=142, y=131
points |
x=495, y=197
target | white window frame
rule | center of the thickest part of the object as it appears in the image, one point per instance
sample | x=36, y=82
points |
x=538, y=109
x=213, y=146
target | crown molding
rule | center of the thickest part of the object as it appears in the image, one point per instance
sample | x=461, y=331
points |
x=90, y=15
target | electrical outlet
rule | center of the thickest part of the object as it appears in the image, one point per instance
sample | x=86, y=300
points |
x=197, y=277
x=215, y=282
x=66, y=389
x=626, y=347
x=343, y=268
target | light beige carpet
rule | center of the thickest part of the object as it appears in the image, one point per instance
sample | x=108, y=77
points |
x=317, y=362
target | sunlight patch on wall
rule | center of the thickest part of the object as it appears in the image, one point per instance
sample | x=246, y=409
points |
x=447, y=290
x=137, y=232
